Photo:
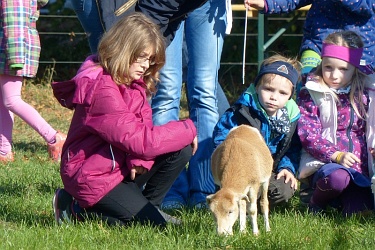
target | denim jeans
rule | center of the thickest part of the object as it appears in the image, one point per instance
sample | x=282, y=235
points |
x=88, y=14
x=204, y=31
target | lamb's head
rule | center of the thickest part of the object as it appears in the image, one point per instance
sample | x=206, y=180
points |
x=224, y=206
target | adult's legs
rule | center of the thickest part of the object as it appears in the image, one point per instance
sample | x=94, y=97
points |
x=205, y=31
x=166, y=102
x=12, y=101
x=222, y=101
x=88, y=14
x=166, y=107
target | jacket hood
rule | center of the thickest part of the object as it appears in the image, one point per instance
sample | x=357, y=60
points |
x=90, y=68
x=81, y=88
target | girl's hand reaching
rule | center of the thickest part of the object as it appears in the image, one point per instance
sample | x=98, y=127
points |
x=137, y=170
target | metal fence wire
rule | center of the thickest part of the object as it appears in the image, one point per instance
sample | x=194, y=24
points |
x=65, y=46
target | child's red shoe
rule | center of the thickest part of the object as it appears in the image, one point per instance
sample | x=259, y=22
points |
x=8, y=157
x=55, y=149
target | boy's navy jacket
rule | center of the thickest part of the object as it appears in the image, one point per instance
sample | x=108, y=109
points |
x=285, y=148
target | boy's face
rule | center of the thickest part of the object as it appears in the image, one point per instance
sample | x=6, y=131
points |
x=273, y=95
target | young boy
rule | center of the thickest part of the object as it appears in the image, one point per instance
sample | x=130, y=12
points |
x=268, y=106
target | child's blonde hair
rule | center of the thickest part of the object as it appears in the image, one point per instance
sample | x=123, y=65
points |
x=348, y=39
x=125, y=42
x=293, y=61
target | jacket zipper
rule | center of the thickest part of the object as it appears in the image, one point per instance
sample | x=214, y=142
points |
x=113, y=158
x=349, y=129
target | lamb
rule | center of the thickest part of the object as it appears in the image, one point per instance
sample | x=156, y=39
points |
x=241, y=165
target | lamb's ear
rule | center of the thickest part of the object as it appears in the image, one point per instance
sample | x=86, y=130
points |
x=245, y=197
x=209, y=198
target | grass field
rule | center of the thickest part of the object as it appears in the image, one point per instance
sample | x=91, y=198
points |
x=26, y=218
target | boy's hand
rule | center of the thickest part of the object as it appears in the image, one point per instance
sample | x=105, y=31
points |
x=288, y=177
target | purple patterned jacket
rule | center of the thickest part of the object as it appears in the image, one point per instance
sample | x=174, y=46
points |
x=350, y=130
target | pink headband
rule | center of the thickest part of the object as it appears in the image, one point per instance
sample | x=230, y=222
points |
x=350, y=55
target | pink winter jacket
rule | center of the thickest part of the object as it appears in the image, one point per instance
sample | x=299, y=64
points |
x=111, y=131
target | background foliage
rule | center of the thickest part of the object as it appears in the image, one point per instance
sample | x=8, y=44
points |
x=63, y=40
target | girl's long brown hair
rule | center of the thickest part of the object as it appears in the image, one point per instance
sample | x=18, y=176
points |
x=125, y=42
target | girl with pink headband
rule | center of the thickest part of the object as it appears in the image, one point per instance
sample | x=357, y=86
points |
x=347, y=54
x=332, y=128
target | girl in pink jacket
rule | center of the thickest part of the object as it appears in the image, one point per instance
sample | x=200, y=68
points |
x=116, y=164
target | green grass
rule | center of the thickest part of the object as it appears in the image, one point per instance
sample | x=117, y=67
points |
x=26, y=218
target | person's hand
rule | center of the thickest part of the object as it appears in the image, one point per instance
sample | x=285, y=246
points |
x=288, y=177
x=194, y=144
x=137, y=170
x=346, y=159
x=256, y=4
x=372, y=151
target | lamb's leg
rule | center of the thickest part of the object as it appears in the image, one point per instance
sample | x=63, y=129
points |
x=253, y=210
x=242, y=215
x=264, y=205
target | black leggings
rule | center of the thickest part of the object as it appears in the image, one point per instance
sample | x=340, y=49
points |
x=139, y=200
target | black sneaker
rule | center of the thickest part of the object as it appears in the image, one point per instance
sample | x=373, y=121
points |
x=315, y=209
x=170, y=219
x=61, y=204
x=305, y=193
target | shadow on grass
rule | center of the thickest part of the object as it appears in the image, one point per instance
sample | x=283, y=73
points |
x=32, y=147
x=15, y=189
x=25, y=206
x=30, y=217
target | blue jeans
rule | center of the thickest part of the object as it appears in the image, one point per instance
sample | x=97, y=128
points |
x=88, y=14
x=204, y=31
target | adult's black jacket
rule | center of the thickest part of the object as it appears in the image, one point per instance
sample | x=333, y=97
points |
x=168, y=14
